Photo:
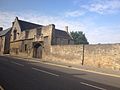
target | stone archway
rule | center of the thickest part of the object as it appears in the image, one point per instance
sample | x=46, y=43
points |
x=37, y=50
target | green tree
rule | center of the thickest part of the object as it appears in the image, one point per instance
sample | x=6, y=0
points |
x=79, y=37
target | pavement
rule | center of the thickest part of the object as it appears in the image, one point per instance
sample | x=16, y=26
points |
x=19, y=74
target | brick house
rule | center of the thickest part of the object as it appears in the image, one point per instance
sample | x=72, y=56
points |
x=33, y=40
x=5, y=41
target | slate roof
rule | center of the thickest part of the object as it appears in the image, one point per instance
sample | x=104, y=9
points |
x=4, y=32
x=27, y=25
x=62, y=34
x=24, y=25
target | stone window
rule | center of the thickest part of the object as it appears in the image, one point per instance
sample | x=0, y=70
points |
x=25, y=47
x=15, y=34
x=46, y=40
x=68, y=41
x=26, y=34
x=38, y=32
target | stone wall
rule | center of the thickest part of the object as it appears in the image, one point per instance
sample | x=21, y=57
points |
x=101, y=56
x=18, y=48
x=71, y=54
x=7, y=42
x=106, y=55
x=2, y=44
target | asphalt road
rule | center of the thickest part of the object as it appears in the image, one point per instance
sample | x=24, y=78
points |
x=16, y=74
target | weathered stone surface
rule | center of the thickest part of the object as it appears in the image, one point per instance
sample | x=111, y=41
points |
x=101, y=56
x=55, y=48
x=71, y=54
x=106, y=55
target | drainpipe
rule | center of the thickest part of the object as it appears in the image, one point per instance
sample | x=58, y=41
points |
x=83, y=54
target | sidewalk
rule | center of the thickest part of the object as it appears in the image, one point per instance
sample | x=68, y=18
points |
x=103, y=71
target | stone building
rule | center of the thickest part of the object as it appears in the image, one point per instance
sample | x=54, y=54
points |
x=5, y=41
x=33, y=40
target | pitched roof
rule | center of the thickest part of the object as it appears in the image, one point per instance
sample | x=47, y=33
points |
x=62, y=34
x=4, y=32
x=24, y=25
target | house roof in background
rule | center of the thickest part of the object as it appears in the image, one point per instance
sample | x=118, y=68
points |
x=4, y=32
x=62, y=34
x=24, y=25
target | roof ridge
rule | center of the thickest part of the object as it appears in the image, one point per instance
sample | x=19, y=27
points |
x=2, y=33
x=28, y=22
x=25, y=25
x=62, y=34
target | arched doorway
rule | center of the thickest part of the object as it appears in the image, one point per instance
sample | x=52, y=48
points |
x=37, y=51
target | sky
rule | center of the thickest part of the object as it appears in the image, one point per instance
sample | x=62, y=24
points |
x=98, y=19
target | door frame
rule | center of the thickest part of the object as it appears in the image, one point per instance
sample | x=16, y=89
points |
x=37, y=46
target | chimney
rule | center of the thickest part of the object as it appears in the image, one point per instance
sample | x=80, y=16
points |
x=16, y=18
x=66, y=28
x=12, y=23
x=52, y=26
x=1, y=28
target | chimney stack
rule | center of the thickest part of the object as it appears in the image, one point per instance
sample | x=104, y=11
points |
x=12, y=23
x=66, y=28
x=16, y=18
x=52, y=26
x=1, y=28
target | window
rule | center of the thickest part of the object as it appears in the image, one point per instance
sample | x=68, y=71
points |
x=26, y=34
x=68, y=41
x=46, y=40
x=38, y=32
x=25, y=47
x=15, y=35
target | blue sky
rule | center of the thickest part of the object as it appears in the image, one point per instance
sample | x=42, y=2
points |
x=98, y=19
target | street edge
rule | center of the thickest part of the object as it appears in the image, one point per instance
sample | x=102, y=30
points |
x=64, y=66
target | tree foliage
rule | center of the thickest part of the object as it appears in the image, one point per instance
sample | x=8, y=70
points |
x=79, y=37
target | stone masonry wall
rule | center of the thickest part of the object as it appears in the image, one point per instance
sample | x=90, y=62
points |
x=68, y=54
x=18, y=49
x=106, y=55
x=101, y=56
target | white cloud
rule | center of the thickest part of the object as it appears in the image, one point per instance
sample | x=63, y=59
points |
x=95, y=34
x=104, y=34
x=6, y=18
x=103, y=6
x=75, y=13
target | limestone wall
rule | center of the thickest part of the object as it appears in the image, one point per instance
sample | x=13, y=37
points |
x=18, y=48
x=102, y=56
x=15, y=27
x=71, y=54
x=2, y=44
x=31, y=34
x=106, y=55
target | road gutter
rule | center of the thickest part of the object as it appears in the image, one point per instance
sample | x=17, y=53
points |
x=112, y=75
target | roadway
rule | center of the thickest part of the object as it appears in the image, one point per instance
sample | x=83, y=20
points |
x=16, y=74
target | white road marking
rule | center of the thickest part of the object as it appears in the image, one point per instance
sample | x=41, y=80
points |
x=1, y=88
x=93, y=86
x=17, y=63
x=45, y=72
